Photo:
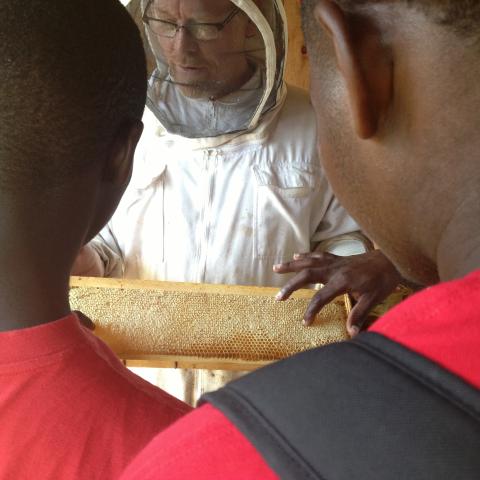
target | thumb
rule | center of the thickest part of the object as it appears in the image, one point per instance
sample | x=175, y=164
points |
x=359, y=313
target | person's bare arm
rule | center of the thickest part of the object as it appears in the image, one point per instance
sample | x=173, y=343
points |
x=88, y=263
x=101, y=257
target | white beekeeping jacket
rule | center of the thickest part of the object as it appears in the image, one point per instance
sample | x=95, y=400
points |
x=225, y=188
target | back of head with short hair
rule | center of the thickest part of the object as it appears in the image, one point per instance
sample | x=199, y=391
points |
x=463, y=16
x=71, y=72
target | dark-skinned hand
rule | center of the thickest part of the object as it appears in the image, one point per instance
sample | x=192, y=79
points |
x=369, y=278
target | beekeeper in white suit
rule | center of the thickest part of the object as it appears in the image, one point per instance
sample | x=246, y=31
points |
x=227, y=181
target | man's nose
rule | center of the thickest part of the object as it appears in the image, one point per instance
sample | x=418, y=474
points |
x=185, y=42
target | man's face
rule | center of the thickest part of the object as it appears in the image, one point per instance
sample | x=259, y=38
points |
x=369, y=176
x=204, y=68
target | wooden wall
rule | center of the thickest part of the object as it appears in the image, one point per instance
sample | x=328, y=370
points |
x=297, y=65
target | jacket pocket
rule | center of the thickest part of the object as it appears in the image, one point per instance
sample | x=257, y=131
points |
x=284, y=197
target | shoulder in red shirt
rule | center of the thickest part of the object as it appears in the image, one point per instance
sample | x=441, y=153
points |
x=69, y=409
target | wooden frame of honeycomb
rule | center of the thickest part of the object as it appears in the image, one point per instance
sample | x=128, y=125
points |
x=184, y=325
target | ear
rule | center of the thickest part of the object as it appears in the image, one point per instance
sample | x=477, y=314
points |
x=119, y=163
x=364, y=62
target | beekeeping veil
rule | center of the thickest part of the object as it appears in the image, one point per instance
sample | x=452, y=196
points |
x=214, y=80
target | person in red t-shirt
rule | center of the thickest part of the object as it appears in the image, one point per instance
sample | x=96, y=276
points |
x=70, y=112
x=396, y=91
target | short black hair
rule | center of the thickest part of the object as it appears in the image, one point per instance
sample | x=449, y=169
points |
x=463, y=16
x=71, y=73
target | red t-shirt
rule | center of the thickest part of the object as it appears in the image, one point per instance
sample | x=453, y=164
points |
x=441, y=323
x=69, y=409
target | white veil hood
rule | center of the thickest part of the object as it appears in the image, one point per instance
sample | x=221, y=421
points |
x=237, y=112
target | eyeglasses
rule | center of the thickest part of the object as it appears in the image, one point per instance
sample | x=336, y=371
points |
x=199, y=31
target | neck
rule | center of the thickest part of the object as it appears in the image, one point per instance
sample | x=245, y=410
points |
x=443, y=142
x=28, y=299
x=458, y=253
x=36, y=254
x=241, y=78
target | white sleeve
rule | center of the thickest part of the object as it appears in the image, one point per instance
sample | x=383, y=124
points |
x=345, y=245
x=106, y=245
x=110, y=241
x=338, y=233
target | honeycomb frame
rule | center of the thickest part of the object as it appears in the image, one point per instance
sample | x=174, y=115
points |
x=150, y=323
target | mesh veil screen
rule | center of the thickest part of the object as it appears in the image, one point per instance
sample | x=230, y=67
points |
x=215, y=85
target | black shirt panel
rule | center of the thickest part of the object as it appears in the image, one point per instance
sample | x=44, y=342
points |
x=365, y=409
